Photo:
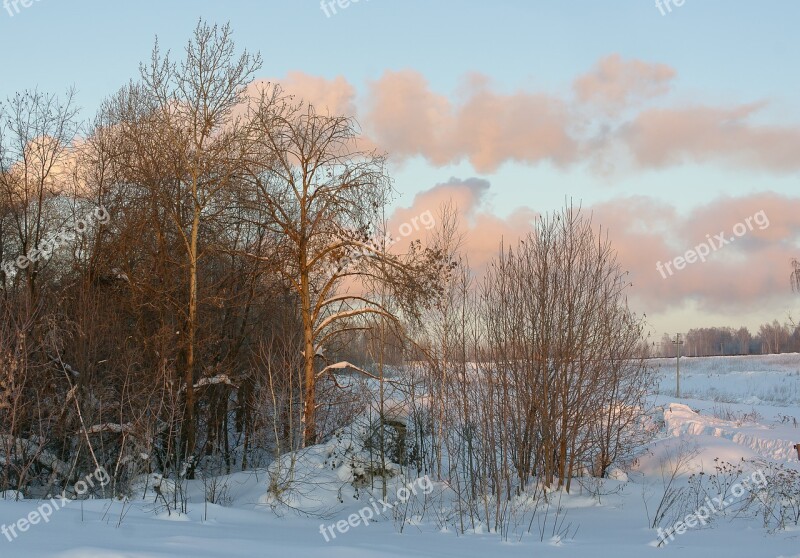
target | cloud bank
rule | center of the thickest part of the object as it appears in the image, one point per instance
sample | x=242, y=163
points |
x=619, y=106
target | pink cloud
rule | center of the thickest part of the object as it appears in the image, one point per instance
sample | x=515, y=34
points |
x=404, y=117
x=487, y=128
x=335, y=96
x=408, y=119
x=740, y=276
x=482, y=230
x=615, y=83
x=664, y=137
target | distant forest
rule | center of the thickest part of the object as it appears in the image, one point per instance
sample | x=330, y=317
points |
x=771, y=338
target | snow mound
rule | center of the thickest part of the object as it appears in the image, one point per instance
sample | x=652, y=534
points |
x=323, y=479
x=680, y=419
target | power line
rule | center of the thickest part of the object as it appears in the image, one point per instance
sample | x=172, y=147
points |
x=678, y=342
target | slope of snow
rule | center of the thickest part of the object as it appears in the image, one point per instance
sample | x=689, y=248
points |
x=737, y=408
x=762, y=439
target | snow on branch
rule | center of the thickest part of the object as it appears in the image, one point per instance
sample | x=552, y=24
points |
x=213, y=381
x=21, y=446
x=343, y=366
x=216, y=380
x=376, y=309
x=110, y=427
x=64, y=366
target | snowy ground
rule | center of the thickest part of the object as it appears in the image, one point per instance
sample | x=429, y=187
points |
x=733, y=408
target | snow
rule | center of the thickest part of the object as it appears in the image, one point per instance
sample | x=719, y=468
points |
x=732, y=408
x=216, y=380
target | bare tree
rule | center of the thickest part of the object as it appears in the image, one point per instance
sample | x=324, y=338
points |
x=559, y=327
x=180, y=138
x=36, y=134
x=540, y=370
x=324, y=196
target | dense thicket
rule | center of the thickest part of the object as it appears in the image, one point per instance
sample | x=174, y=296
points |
x=192, y=323
x=537, y=372
x=185, y=276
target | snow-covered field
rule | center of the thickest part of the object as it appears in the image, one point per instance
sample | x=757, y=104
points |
x=732, y=408
x=773, y=380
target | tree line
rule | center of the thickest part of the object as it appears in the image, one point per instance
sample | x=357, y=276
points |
x=771, y=338
x=244, y=270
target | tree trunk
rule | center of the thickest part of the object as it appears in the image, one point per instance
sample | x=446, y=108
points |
x=310, y=396
x=309, y=377
x=190, y=426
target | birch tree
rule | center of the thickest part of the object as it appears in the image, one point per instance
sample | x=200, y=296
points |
x=181, y=139
x=324, y=196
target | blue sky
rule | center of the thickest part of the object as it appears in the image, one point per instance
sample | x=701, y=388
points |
x=724, y=54
x=721, y=47
x=724, y=51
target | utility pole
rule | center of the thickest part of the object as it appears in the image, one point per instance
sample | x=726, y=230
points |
x=678, y=342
